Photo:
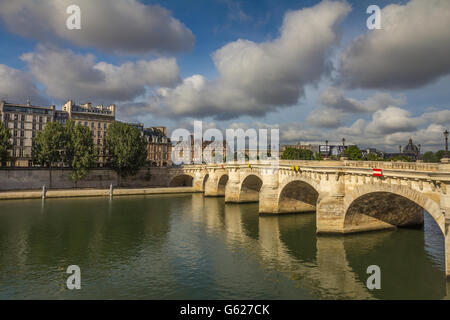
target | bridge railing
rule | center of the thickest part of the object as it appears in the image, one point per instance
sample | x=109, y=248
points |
x=410, y=166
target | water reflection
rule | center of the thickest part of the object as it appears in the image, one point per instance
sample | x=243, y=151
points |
x=192, y=247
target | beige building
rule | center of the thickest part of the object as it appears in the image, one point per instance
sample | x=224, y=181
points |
x=159, y=146
x=98, y=119
x=24, y=121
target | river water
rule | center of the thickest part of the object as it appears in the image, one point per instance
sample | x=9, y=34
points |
x=191, y=247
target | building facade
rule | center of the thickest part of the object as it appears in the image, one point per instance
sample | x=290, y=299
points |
x=159, y=146
x=24, y=121
x=97, y=119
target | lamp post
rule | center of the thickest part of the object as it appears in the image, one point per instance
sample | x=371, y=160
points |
x=326, y=148
x=399, y=149
x=418, y=154
x=343, y=150
x=446, y=145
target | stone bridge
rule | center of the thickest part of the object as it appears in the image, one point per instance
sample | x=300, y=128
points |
x=345, y=195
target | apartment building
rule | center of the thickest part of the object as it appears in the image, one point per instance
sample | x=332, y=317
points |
x=24, y=120
x=159, y=146
x=97, y=119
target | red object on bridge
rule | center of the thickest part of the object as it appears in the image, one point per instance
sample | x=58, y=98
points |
x=377, y=173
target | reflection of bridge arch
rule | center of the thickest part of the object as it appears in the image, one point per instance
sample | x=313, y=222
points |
x=376, y=206
x=250, y=187
x=182, y=180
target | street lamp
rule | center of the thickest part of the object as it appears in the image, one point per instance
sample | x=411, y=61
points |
x=399, y=149
x=418, y=156
x=343, y=148
x=446, y=143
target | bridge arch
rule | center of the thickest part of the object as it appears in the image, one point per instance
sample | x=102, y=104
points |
x=297, y=194
x=222, y=183
x=205, y=179
x=378, y=206
x=250, y=187
x=182, y=180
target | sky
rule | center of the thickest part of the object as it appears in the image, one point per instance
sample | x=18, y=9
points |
x=313, y=69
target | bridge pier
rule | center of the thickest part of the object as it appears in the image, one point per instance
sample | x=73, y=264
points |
x=232, y=190
x=445, y=206
x=268, y=195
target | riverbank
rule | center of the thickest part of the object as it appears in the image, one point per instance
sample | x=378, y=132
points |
x=72, y=193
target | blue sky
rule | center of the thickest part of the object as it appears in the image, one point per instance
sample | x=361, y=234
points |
x=230, y=64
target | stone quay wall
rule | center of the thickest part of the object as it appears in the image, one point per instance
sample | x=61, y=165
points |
x=59, y=178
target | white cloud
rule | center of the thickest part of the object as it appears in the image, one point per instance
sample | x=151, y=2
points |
x=335, y=107
x=67, y=75
x=411, y=50
x=391, y=120
x=121, y=25
x=255, y=78
x=18, y=86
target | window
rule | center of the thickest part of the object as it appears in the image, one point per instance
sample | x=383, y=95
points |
x=40, y=119
x=22, y=117
x=16, y=117
x=22, y=125
x=40, y=126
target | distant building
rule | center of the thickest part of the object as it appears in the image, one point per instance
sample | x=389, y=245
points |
x=410, y=151
x=24, y=121
x=332, y=150
x=189, y=158
x=97, y=119
x=159, y=146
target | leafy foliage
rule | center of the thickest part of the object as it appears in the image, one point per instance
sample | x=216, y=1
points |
x=5, y=144
x=353, y=153
x=372, y=157
x=48, y=145
x=126, y=148
x=80, y=153
x=296, y=154
x=433, y=157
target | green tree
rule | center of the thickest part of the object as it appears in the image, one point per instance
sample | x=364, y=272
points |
x=296, y=154
x=372, y=157
x=428, y=157
x=5, y=144
x=433, y=157
x=439, y=155
x=353, y=153
x=80, y=153
x=126, y=148
x=49, y=144
x=318, y=156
